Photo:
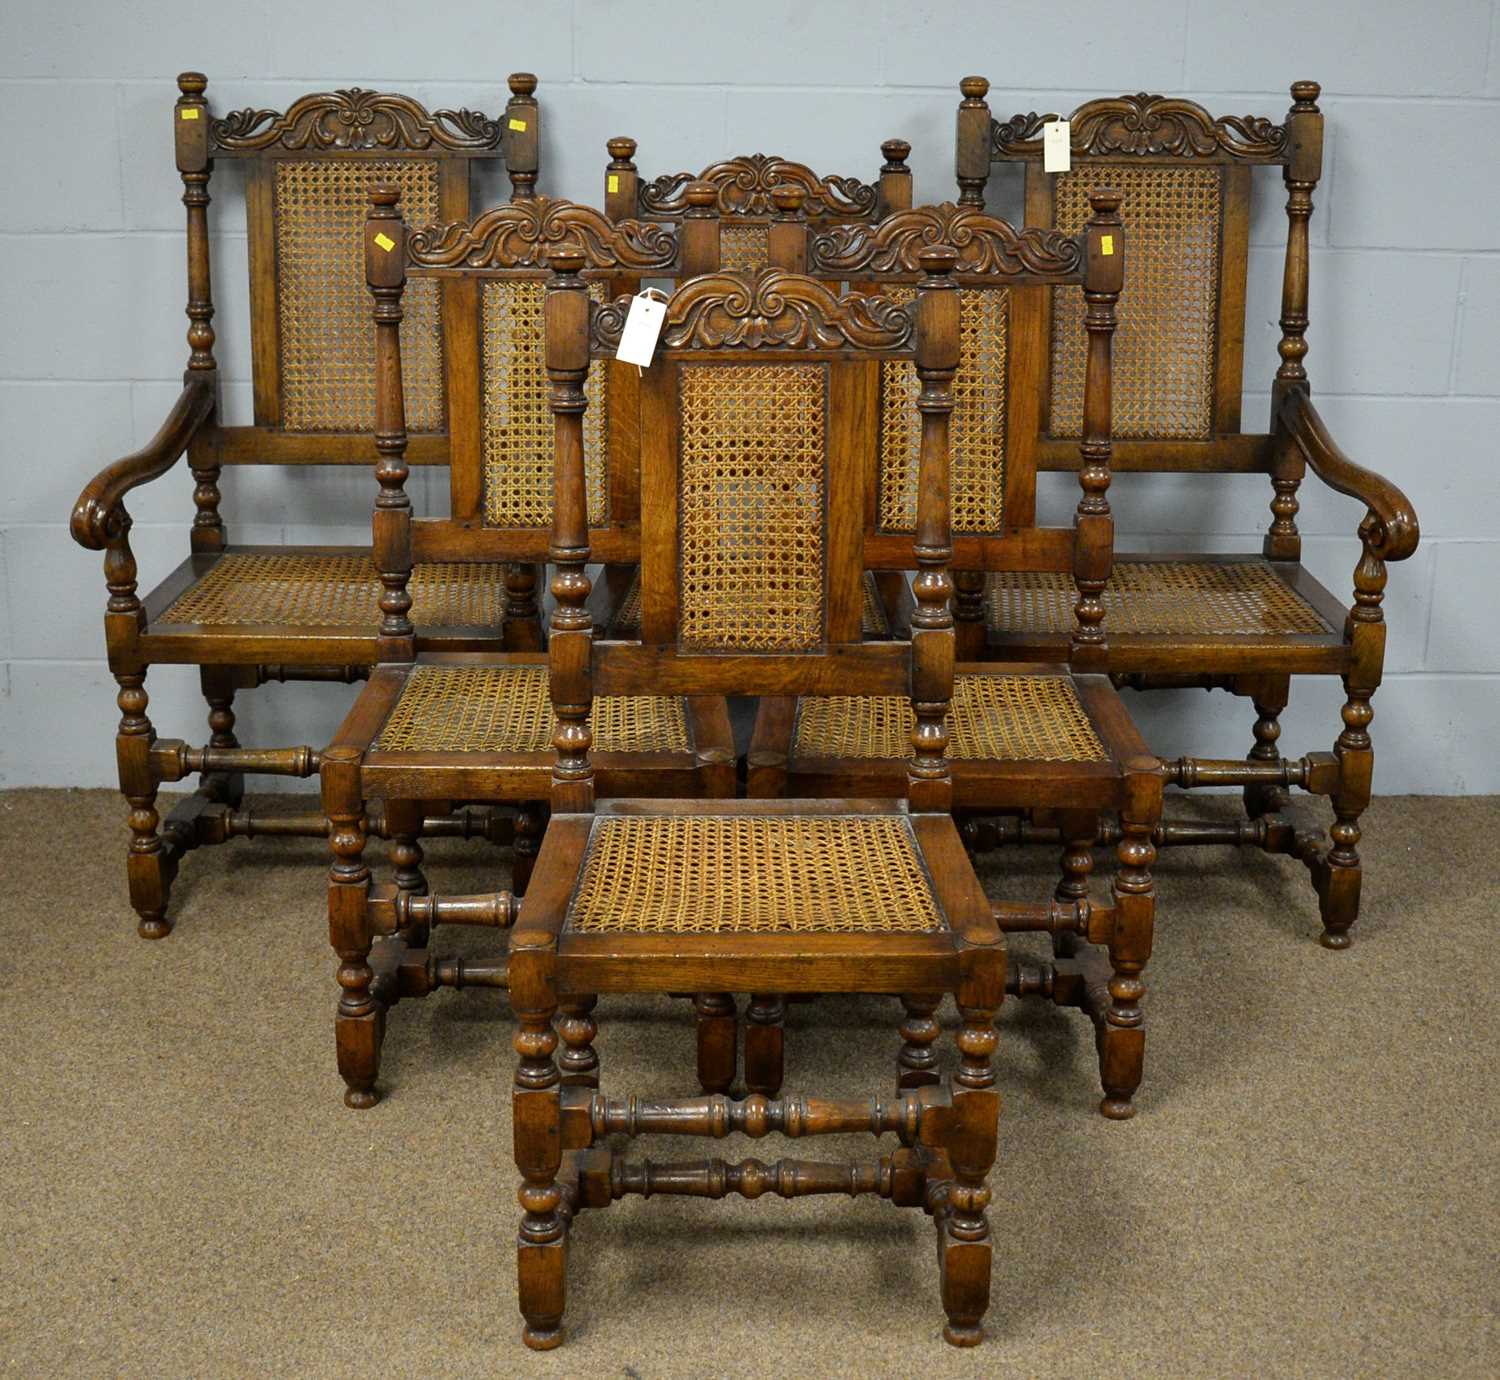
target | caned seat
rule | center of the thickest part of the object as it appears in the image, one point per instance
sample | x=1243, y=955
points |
x=332, y=592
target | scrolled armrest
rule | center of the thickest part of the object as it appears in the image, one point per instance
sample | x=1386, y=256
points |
x=100, y=508
x=1391, y=530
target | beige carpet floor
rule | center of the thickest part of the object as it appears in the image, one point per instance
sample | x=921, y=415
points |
x=1310, y=1187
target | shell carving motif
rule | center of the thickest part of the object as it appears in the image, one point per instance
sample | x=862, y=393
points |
x=745, y=186
x=773, y=309
x=985, y=245
x=1144, y=125
x=522, y=234
x=356, y=119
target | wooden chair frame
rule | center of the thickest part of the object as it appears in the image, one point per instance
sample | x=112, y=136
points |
x=329, y=129
x=1153, y=131
x=418, y=784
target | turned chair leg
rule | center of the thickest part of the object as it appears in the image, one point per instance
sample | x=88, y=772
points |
x=1079, y=830
x=403, y=820
x=717, y=1040
x=146, y=862
x=1338, y=891
x=218, y=683
x=521, y=628
x=359, y=1024
x=917, y=1064
x=580, y=1060
x=541, y=1243
x=1270, y=695
x=1122, y=1034
x=964, y=1245
x=765, y=1044
x=531, y=825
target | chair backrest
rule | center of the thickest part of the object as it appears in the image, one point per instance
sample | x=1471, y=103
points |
x=1185, y=176
x=1006, y=278
x=502, y=430
x=308, y=173
x=745, y=187
x=758, y=416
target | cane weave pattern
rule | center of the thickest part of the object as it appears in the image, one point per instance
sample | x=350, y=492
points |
x=517, y=421
x=323, y=317
x=751, y=459
x=743, y=247
x=756, y=874
x=1157, y=598
x=991, y=719
x=303, y=591
x=508, y=709
x=626, y=624
x=1164, y=350
x=977, y=427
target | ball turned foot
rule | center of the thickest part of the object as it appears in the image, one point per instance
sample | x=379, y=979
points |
x=1117, y=1108
x=1335, y=939
x=360, y=1098
x=956, y=1334
x=153, y=927
x=539, y=1339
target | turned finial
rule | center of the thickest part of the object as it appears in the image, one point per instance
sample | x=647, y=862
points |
x=974, y=88
x=702, y=197
x=566, y=260
x=385, y=194
x=789, y=200
x=938, y=260
x=192, y=83
x=621, y=151
x=896, y=152
x=521, y=83
x=1105, y=202
x=1305, y=94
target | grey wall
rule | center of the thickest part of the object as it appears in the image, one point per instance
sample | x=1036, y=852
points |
x=1405, y=292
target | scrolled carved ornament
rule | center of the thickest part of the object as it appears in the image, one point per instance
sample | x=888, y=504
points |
x=356, y=119
x=745, y=186
x=1146, y=125
x=985, y=244
x=772, y=310
x=521, y=234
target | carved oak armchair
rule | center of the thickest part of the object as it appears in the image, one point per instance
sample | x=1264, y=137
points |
x=1240, y=622
x=247, y=615
x=441, y=727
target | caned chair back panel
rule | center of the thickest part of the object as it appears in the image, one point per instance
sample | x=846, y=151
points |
x=759, y=422
x=309, y=171
x=502, y=425
x=1185, y=179
x=1006, y=277
x=745, y=187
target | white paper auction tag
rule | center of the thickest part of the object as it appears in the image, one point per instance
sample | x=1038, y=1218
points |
x=642, y=326
x=1057, y=152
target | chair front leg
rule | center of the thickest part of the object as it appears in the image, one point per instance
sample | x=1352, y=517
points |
x=1338, y=893
x=146, y=862
x=536, y=1117
x=1122, y=1035
x=359, y=1024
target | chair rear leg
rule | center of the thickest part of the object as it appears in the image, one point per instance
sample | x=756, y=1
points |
x=718, y=1029
x=765, y=1044
x=404, y=824
x=1079, y=830
x=1269, y=694
x=219, y=684
x=531, y=824
x=917, y=1064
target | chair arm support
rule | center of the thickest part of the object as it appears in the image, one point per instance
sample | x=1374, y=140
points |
x=1390, y=531
x=99, y=512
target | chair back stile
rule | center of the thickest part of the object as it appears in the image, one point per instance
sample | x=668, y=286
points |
x=1004, y=275
x=758, y=422
x=494, y=268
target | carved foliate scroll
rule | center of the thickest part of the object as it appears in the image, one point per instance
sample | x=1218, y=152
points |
x=1146, y=125
x=771, y=309
x=745, y=186
x=357, y=120
x=522, y=233
x=985, y=245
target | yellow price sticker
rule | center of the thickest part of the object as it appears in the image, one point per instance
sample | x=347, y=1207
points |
x=385, y=242
x=614, y=182
x=189, y=112
x=518, y=125
x=1106, y=245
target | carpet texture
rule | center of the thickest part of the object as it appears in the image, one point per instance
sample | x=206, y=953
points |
x=1310, y=1187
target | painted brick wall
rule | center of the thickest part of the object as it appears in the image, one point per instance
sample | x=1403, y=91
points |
x=1405, y=299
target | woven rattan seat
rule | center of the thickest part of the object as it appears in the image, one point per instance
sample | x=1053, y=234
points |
x=1162, y=598
x=507, y=709
x=317, y=590
x=994, y=718
x=754, y=874
x=626, y=624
